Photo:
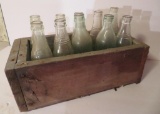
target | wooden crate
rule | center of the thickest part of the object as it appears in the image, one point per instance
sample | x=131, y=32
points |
x=48, y=81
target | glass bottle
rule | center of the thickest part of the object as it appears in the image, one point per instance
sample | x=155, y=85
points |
x=96, y=26
x=114, y=11
x=40, y=47
x=106, y=37
x=124, y=36
x=34, y=18
x=81, y=40
x=62, y=43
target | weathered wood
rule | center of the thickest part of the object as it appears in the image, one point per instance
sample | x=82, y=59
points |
x=23, y=51
x=53, y=80
x=73, y=56
x=12, y=78
x=143, y=58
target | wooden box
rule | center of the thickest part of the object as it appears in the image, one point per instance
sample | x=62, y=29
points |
x=48, y=81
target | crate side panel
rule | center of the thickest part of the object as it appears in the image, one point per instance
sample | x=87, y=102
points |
x=143, y=61
x=12, y=78
x=55, y=82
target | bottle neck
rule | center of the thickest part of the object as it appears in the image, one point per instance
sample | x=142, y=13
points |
x=114, y=12
x=107, y=24
x=61, y=34
x=37, y=37
x=97, y=22
x=79, y=22
x=107, y=21
x=60, y=31
x=125, y=29
x=37, y=27
x=79, y=25
x=38, y=30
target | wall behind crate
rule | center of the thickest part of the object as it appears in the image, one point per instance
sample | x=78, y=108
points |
x=145, y=24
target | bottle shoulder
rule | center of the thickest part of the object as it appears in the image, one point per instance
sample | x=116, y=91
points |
x=81, y=34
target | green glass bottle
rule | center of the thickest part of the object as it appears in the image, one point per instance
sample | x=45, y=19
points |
x=81, y=40
x=106, y=37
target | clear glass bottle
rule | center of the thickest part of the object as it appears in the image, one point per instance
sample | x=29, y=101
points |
x=124, y=35
x=62, y=43
x=106, y=37
x=81, y=40
x=114, y=11
x=96, y=26
x=40, y=47
x=32, y=19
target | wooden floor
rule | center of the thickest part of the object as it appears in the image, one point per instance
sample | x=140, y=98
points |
x=3, y=45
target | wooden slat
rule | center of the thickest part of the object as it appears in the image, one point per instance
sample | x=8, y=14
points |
x=12, y=78
x=22, y=55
